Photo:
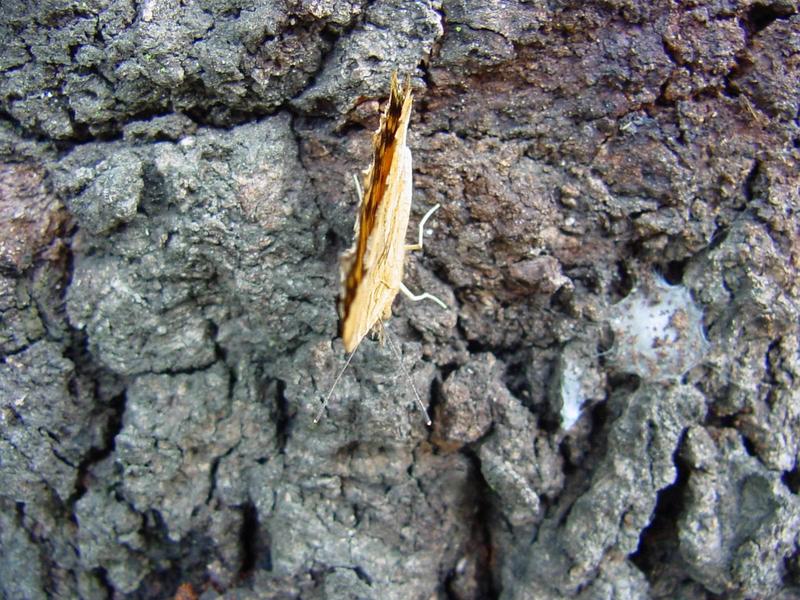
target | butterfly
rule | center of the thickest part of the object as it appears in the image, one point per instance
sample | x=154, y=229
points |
x=372, y=269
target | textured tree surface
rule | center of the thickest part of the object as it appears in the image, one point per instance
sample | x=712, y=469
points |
x=615, y=386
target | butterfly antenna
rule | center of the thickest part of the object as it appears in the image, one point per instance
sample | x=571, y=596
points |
x=405, y=372
x=333, y=387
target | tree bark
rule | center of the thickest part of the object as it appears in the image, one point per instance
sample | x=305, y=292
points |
x=613, y=385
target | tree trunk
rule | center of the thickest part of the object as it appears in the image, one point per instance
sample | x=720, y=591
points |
x=613, y=384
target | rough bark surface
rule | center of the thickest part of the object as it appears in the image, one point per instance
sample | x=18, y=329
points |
x=614, y=387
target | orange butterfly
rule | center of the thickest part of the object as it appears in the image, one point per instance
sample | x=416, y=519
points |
x=372, y=270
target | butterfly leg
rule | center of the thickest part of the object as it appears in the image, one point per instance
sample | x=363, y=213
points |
x=359, y=191
x=417, y=297
x=418, y=245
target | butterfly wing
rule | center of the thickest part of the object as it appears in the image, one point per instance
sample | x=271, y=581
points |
x=373, y=268
x=394, y=213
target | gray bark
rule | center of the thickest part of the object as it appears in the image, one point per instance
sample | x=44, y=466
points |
x=613, y=386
